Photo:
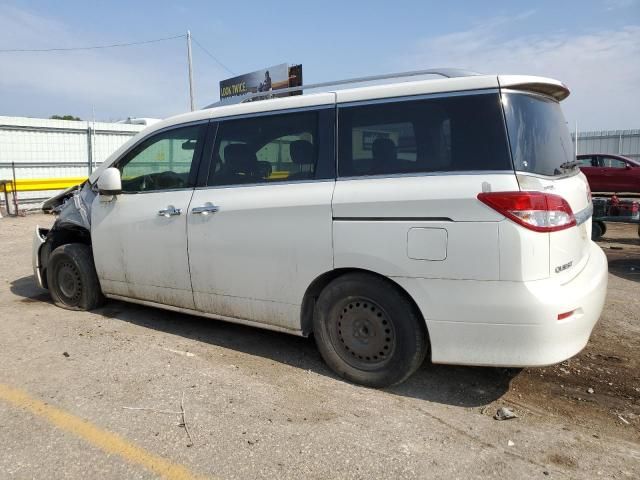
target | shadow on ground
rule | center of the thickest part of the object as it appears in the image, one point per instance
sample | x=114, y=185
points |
x=624, y=262
x=26, y=288
x=605, y=241
x=627, y=268
x=451, y=385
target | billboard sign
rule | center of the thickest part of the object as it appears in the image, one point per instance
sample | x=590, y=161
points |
x=267, y=80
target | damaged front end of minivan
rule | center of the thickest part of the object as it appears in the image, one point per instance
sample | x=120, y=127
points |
x=72, y=225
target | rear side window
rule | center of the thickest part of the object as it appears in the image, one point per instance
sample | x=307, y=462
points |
x=265, y=149
x=609, y=162
x=540, y=139
x=457, y=133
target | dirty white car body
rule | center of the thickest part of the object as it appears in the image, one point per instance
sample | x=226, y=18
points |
x=489, y=288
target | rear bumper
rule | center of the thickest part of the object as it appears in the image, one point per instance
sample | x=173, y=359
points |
x=39, y=237
x=515, y=324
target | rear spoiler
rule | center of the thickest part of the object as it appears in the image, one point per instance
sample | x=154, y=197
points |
x=545, y=86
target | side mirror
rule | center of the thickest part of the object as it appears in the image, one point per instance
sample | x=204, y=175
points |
x=109, y=182
x=628, y=166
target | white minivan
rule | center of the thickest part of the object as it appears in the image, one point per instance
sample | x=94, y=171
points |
x=443, y=217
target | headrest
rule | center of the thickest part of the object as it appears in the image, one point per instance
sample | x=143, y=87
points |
x=239, y=157
x=383, y=148
x=301, y=152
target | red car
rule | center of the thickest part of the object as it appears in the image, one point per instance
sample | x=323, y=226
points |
x=610, y=173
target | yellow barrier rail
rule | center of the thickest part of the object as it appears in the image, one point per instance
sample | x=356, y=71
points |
x=35, y=184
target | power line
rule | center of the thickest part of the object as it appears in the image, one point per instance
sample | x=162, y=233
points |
x=95, y=47
x=212, y=56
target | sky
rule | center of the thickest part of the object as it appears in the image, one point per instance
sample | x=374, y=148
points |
x=593, y=46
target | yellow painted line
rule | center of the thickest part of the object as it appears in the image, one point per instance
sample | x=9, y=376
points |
x=35, y=184
x=107, y=441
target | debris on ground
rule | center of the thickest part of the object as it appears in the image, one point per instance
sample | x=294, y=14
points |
x=66, y=354
x=590, y=390
x=504, y=413
x=183, y=420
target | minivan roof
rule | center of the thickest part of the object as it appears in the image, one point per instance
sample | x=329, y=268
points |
x=542, y=85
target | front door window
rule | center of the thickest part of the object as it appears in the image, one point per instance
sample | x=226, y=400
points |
x=162, y=162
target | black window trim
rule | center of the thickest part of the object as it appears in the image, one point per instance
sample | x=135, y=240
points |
x=421, y=96
x=426, y=174
x=327, y=152
x=195, y=164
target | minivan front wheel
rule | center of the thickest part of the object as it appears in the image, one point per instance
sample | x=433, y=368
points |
x=368, y=332
x=72, y=279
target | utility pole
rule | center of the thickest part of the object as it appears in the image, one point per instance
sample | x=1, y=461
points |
x=193, y=104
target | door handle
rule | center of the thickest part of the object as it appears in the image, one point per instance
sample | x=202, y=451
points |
x=170, y=211
x=205, y=209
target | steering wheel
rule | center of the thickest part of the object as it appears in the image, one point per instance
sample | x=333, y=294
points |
x=148, y=182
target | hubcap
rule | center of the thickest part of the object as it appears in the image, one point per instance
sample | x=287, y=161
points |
x=362, y=333
x=69, y=283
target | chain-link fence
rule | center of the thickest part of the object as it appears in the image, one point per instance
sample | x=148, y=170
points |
x=618, y=142
x=32, y=149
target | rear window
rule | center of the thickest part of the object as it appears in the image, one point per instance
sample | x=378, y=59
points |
x=457, y=133
x=539, y=136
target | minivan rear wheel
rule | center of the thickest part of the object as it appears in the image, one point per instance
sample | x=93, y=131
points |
x=368, y=332
x=72, y=279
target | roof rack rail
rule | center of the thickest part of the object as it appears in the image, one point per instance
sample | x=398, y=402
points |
x=443, y=72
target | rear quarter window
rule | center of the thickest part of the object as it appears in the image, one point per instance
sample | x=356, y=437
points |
x=457, y=133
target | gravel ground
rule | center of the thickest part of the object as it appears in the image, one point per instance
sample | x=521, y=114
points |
x=262, y=405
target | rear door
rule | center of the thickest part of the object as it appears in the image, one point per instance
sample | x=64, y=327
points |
x=260, y=229
x=544, y=160
x=409, y=172
x=633, y=177
x=617, y=175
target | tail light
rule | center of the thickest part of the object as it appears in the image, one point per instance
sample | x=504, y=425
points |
x=538, y=211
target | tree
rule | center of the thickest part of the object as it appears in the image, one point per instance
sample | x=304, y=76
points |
x=64, y=117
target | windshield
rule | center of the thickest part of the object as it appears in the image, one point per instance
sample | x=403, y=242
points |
x=540, y=140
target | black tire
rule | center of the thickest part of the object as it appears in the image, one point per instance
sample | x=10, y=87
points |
x=597, y=230
x=368, y=332
x=72, y=279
